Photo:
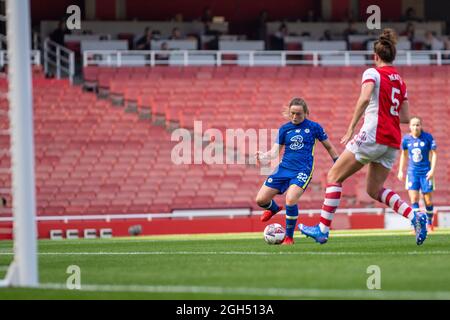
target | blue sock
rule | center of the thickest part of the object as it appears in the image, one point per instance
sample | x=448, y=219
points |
x=272, y=206
x=291, y=219
x=430, y=214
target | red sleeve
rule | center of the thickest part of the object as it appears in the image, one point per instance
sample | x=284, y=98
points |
x=368, y=80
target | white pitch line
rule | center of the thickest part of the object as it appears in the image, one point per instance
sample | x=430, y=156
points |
x=254, y=253
x=265, y=292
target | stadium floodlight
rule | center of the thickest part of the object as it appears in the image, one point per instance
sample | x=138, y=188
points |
x=23, y=271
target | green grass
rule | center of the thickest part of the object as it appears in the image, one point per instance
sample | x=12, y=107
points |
x=242, y=266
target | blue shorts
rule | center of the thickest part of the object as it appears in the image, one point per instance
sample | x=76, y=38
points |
x=282, y=178
x=419, y=182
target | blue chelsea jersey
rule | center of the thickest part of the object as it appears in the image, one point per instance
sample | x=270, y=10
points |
x=418, y=151
x=299, y=141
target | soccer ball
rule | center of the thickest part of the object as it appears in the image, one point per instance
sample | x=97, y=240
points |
x=274, y=233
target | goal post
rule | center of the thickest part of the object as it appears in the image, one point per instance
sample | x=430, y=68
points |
x=23, y=271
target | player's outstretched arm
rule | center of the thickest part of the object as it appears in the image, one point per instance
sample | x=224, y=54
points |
x=361, y=105
x=433, y=157
x=404, y=112
x=269, y=155
x=401, y=166
x=330, y=149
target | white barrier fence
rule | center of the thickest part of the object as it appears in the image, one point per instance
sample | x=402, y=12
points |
x=125, y=58
x=59, y=58
x=35, y=58
x=193, y=213
x=35, y=54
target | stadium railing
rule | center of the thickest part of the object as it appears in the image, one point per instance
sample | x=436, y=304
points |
x=190, y=214
x=59, y=58
x=121, y=58
x=317, y=29
x=35, y=54
x=136, y=28
x=35, y=58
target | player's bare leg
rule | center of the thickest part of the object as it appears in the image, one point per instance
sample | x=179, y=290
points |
x=264, y=199
x=427, y=198
x=414, y=196
x=343, y=168
x=293, y=194
x=377, y=175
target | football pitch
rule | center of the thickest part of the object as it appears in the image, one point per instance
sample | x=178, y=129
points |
x=242, y=266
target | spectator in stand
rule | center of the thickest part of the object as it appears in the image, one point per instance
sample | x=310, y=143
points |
x=277, y=39
x=446, y=56
x=58, y=34
x=373, y=36
x=162, y=56
x=350, y=15
x=156, y=35
x=176, y=34
x=212, y=44
x=178, y=17
x=207, y=16
x=409, y=32
x=411, y=15
x=145, y=41
x=261, y=28
x=326, y=36
x=207, y=19
x=350, y=30
x=431, y=42
x=311, y=16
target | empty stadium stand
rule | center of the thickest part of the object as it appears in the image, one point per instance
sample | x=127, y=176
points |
x=92, y=157
x=233, y=97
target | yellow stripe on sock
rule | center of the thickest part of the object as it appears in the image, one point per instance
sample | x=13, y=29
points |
x=312, y=170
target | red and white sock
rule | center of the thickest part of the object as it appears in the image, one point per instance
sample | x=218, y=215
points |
x=330, y=204
x=392, y=200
